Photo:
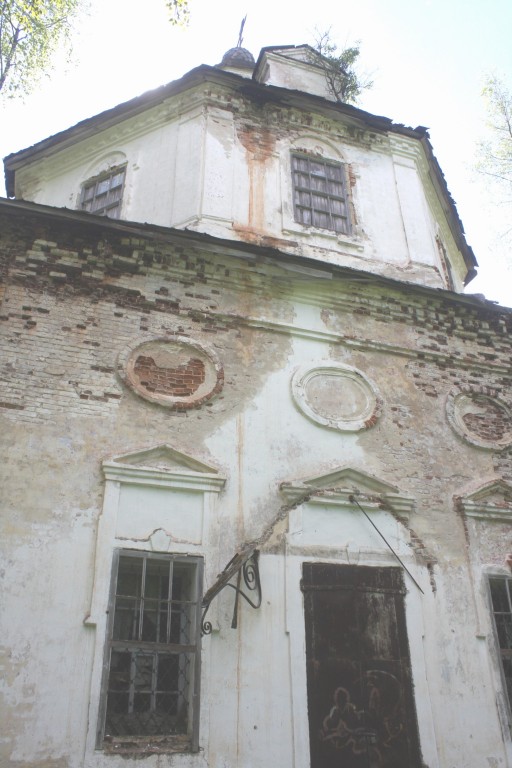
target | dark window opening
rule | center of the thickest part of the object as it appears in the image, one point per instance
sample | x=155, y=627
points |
x=501, y=598
x=103, y=194
x=151, y=686
x=319, y=194
x=360, y=693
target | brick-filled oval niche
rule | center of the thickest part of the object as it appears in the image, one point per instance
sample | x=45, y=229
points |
x=480, y=417
x=174, y=372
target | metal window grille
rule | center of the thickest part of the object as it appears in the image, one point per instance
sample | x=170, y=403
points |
x=319, y=194
x=103, y=194
x=151, y=679
x=501, y=598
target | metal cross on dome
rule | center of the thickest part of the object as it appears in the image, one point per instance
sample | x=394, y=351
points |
x=241, y=33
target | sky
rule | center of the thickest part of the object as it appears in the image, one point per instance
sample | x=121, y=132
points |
x=428, y=60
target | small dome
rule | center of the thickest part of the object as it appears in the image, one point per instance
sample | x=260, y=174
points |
x=240, y=58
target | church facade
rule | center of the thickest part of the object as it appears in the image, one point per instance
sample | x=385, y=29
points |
x=257, y=468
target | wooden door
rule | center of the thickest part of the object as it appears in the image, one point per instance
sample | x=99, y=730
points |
x=360, y=696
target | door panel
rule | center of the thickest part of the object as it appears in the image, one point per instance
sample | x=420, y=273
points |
x=360, y=702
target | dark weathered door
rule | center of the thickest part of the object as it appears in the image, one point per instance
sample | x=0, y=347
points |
x=360, y=700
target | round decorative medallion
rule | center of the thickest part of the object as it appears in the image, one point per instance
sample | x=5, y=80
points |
x=174, y=372
x=480, y=417
x=336, y=396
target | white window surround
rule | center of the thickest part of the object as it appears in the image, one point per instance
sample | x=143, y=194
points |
x=100, y=167
x=503, y=700
x=484, y=503
x=155, y=500
x=326, y=238
x=320, y=195
x=500, y=592
x=153, y=652
x=103, y=194
x=104, y=163
x=330, y=495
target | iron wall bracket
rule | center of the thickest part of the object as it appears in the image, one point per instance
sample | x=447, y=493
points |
x=244, y=567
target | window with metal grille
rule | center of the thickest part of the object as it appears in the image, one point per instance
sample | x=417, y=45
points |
x=103, y=194
x=151, y=679
x=501, y=598
x=319, y=194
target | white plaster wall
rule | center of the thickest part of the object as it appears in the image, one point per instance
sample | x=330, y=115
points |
x=150, y=155
x=418, y=229
x=188, y=179
x=47, y=667
x=291, y=70
x=198, y=171
x=253, y=710
x=253, y=707
x=217, y=190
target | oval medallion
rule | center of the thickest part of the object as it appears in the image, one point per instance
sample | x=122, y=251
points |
x=173, y=372
x=336, y=396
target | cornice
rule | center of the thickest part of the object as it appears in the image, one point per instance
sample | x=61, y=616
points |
x=404, y=146
x=341, y=289
x=114, y=137
x=490, y=501
x=370, y=345
x=162, y=478
x=488, y=512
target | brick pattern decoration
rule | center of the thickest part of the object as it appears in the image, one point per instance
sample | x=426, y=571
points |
x=75, y=294
x=180, y=381
x=491, y=423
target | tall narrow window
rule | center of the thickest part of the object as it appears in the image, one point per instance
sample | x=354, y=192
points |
x=103, y=194
x=151, y=685
x=319, y=194
x=501, y=597
x=360, y=700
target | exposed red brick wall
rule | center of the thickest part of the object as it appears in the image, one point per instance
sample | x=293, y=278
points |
x=491, y=423
x=181, y=381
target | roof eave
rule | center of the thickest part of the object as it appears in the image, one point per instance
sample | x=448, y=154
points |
x=236, y=247
x=258, y=91
x=90, y=126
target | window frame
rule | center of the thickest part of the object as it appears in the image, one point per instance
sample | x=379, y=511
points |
x=501, y=652
x=330, y=197
x=357, y=585
x=95, y=181
x=163, y=742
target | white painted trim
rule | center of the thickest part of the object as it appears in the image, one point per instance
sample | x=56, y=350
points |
x=162, y=478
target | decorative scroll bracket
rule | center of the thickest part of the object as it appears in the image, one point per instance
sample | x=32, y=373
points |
x=244, y=566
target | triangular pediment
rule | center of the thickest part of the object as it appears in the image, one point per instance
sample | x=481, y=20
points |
x=494, y=491
x=305, y=53
x=164, y=457
x=345, y=478
x=163, y=465
x=491, y=500
x=341, y=485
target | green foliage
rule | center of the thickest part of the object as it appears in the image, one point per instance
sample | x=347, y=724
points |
x=344, y=82
x=179, y=12
x=495, y=154
x=30, y=32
